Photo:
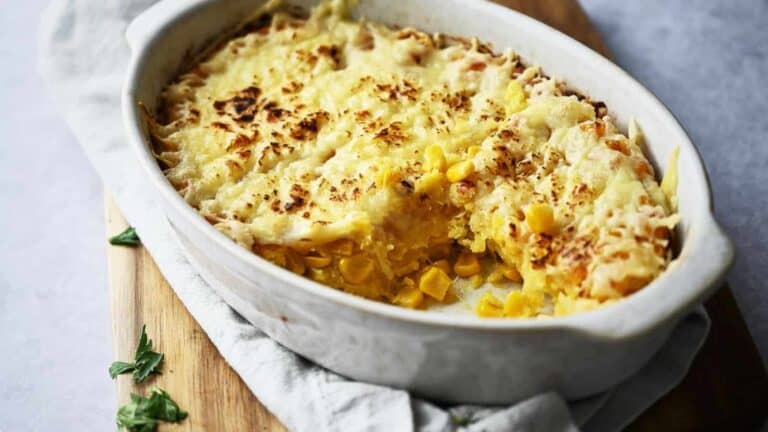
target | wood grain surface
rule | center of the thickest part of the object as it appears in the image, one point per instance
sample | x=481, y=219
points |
x=726, y=389
x=194, y=373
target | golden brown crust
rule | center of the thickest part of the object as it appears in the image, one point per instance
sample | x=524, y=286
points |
x=334, y=148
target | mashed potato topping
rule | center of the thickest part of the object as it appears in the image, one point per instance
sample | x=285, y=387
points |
x=411, y=168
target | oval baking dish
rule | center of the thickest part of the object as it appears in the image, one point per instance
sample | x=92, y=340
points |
x=440, y=356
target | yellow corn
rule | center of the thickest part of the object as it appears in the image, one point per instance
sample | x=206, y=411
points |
x=472, y=151
x=489, y=306
x=443, y=265
x=476, y=281
x=510, y=273
x=409, y=296
x=431, y=183
x=275, y=254
x=515, y=97
x=467, y=265
x=356, y=269
x=296, y=264
x=452, y=158
x=496, y=277
x=317, y=261
x=517, y=305
x=434, y=283
x=434, y=159
x=459, y=171
x=540, y=218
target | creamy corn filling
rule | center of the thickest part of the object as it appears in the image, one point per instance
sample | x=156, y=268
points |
x=413, y=168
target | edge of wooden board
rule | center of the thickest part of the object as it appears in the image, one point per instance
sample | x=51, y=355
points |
x=194, y=373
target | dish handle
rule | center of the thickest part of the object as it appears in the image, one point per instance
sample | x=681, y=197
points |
x=690, y=280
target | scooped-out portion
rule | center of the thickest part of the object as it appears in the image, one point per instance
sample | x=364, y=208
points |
x=416, y=169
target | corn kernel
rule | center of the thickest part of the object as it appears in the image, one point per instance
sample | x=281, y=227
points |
x=459, y=171
x=476, y=281
x=434, y=159
x=275, y=254
x=510, y=273
x=356, y=269
x=496, y=277
x=317, y=261
x=443, y=265
x=517, y=305
x=452, y=158
x=515, y=97
x=296, y=264
x=540, y=218
x=431, y=183
x=489, y=306
x=467, y=265
x=409, y=296
x=472, y=151
x=434, y=283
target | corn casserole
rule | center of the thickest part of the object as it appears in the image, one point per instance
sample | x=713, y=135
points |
x=415, y=169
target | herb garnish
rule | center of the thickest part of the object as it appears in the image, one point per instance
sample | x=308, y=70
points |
x=144, y=414
x=126, y=238
x=145, y=363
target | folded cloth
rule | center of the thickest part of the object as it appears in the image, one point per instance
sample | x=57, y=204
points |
x=82, y=57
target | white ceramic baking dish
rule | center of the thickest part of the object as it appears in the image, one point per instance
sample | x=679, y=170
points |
x=443, y=357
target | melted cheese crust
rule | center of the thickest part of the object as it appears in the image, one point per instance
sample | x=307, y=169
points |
x=363, y=155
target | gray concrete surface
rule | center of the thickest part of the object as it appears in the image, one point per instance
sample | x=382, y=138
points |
x=708, y=62
x=55, y=331
x=706, y=59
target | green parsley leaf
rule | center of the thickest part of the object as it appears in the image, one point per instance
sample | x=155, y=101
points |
x=144, y=414
x=145, y=363
x=126, y=238
x=119, y=367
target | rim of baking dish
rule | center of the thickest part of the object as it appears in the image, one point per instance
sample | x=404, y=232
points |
x=706, y=255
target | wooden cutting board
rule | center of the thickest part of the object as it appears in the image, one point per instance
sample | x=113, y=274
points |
x=726, y=389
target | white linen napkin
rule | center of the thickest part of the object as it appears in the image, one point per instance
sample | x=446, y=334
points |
x=82, y=57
